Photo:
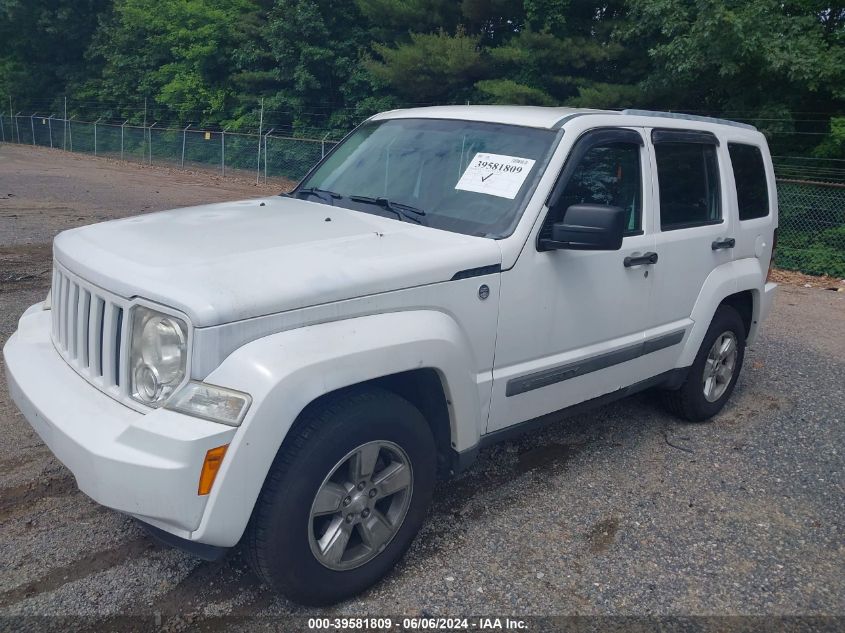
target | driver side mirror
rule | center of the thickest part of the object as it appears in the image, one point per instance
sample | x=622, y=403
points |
x=588, y=227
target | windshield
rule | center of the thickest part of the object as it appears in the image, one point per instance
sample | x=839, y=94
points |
x=462, y=176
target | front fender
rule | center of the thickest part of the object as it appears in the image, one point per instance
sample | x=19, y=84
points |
x=285, y=372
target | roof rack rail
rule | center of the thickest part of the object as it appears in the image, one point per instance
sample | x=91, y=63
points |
x=687, y=117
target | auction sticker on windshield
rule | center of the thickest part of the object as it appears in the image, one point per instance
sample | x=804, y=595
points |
x=495, y=175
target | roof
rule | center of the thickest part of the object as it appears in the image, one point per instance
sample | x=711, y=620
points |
x=536, y=116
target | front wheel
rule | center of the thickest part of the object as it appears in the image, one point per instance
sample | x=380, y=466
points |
x=715, y=370
x=344, y=498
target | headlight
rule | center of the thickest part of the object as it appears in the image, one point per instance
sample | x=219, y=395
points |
x=211, y=402
x=158, y=355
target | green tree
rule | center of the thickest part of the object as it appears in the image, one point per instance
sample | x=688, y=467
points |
x=495, y=21
x=567, y=53
x=181, y=54
x=330, y=63
x=316, y=48
x=432, y=67
x=392, y=20
x=545, y=69
x=833, y=146
x=535, y=52
x=42, y=46
x=745, y=57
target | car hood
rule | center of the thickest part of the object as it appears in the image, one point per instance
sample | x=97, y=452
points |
x=226, y=262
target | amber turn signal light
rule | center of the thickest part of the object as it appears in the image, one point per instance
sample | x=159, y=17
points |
x=213, y=459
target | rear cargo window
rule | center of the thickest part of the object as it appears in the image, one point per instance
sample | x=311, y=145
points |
x=752, y=194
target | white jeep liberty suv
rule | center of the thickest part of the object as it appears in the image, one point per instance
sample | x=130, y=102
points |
x=297, y=371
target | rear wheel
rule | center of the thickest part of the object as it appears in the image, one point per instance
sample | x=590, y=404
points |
x=344, y=498
x=713, y=375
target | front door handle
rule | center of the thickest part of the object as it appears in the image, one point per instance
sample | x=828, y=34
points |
x=727, y=242
x=640, y=260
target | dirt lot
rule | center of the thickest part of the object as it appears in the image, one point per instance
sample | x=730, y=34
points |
x=622, y=511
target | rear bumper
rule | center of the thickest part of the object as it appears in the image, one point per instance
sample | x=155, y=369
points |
x=767, y=298
x=145, y=465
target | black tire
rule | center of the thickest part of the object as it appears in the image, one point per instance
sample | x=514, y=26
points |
x=277, y=538
x=688, y=401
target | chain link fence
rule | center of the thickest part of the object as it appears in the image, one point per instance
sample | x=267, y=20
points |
x=811, y=191
x=811, y=204
x=811, y=237
x=264, y=156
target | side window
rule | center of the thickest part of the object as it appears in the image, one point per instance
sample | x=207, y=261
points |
x=752, y=193
x=608, y=174
x=688, y=174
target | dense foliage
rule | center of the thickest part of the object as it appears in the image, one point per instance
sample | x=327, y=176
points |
x=326, y=64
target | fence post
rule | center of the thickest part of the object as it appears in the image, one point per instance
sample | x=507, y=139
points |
x=265, y=153
x=260, y=127
x=32, y=125
x=323, y=145
x=95, y=134
x=50, y=128
x=122, y=126
x=144, y=132
x=2, y=128
x=70, y=133
x=18, y=127
x=151, y=141
x=64, y=128
x=223, y=151
x=184, y=136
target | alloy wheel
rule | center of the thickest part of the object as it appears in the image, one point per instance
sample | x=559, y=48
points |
x=360, y=505
x=719, y=366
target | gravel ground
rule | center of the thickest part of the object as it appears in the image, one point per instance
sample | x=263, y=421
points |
x=623, y=511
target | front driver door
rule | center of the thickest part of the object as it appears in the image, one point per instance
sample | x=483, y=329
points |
x=571, y=323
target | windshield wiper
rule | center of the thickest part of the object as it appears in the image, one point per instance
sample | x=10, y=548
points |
x=322, y=194
x=403, y=211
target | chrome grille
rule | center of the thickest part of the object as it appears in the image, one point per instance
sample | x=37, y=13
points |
x=88, y=327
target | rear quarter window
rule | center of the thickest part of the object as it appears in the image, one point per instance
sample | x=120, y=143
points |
x=752, y=193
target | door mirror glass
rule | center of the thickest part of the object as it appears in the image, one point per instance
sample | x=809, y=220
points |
x=589, y=227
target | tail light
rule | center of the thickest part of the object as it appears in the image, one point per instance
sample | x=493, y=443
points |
x=772, y=260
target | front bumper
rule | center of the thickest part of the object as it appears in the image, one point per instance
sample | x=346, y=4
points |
x=146, y=465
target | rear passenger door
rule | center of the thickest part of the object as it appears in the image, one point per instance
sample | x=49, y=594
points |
x=694, y=226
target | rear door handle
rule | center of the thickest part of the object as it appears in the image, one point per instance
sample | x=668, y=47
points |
x=727, y=242
x=640, y=260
